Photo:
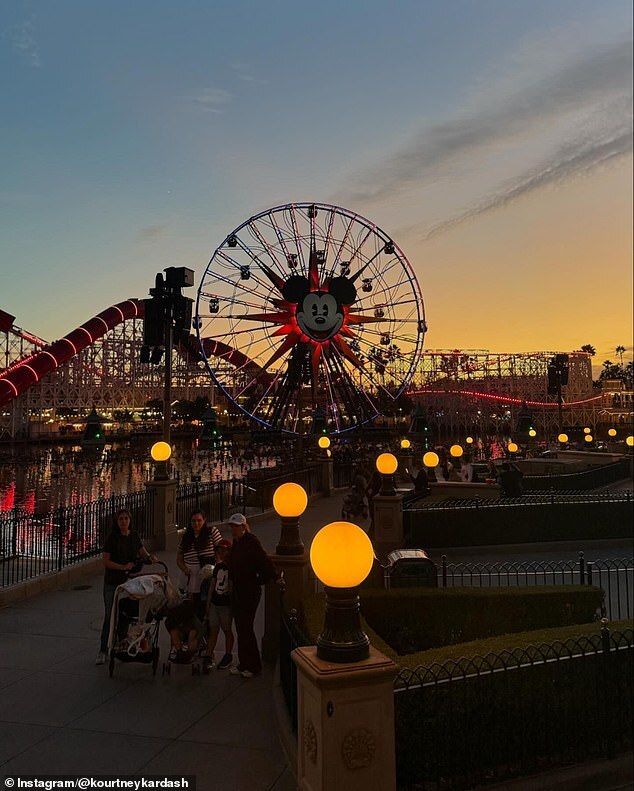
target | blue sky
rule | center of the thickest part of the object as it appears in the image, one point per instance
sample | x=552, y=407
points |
x=491, y=139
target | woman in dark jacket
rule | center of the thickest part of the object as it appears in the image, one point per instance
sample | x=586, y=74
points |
x=250, y=568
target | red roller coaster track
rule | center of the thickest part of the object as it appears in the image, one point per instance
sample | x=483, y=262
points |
x=23, y=374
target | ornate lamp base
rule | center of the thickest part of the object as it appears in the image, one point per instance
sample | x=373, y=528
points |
x=342, y=638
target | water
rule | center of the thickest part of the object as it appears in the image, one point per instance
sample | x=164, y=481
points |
x=40, y=478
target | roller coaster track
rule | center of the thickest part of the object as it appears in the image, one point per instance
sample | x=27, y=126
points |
x=29, y=370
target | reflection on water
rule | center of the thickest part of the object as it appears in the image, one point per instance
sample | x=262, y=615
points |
x=38, y=479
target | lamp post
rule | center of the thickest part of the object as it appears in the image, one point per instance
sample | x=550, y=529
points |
x=327, y=480
x=431, y=460
x=387, y=464
x=341, y=556
x=290, y=501
x=161, y=453
x=345, y=687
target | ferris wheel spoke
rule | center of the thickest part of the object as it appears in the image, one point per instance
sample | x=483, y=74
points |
x=342, y=244
x=333, y=401
x=246, y=270
x=232, y=300
x=235, y=284
x=350, y=394
x=267, y=247
x=296, y=234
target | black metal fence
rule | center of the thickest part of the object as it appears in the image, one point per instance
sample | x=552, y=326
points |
x=35, y=544
x=489, y=719
x=291, y=637
x=614, y=575
x=587, y=479
x=553, y=516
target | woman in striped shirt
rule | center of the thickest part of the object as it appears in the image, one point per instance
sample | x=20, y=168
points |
x=196, y=549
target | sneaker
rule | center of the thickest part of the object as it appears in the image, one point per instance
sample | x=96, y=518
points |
x=101, y=658
x=208, y=663
x=235, y=671
x=173, y=654
x=246, y=674
x=226, y=660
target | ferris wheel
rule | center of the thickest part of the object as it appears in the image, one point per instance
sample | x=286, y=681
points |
x=308, y=313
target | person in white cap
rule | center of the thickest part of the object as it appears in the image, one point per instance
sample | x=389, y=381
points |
x=250, y=568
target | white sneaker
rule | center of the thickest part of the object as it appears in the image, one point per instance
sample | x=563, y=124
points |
x=246, y=674
x=235, y=671
x=101, y=658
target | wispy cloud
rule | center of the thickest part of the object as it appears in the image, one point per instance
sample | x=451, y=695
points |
x=151, y=233
x=575, y=112
x=211, y=100
x=245, y=73
x=23, y=42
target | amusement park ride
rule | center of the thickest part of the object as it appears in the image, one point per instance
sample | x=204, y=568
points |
x=305, y=309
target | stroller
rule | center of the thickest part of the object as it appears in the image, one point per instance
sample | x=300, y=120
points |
x=137, y=611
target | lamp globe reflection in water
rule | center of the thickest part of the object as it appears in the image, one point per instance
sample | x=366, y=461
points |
x=341, y=556
x=290, y=501
x=387, y=464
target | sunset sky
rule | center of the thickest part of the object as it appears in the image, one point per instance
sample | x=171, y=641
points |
x=490, y=138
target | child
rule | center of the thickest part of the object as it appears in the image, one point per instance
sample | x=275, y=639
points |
x=219, y=609
x=184, y=629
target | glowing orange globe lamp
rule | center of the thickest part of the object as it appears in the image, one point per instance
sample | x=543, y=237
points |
x=630, y=442
x=611, y=432
x=532, y=433
x=341, y=556
x=512, y=447
x=456, y=451
x=563, y=438
x=589, y=438
x=431, y=459
x=323, y=442
x=290, y=501
x=469, y=440
x=405, y=444
x=387, y=464
x=587, y=430
x=161, y=451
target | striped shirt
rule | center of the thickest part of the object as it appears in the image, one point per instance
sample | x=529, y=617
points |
x=207, y=554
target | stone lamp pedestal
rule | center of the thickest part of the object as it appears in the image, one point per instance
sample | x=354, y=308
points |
x=388, y=522
x=345, y=723
x=163, y=506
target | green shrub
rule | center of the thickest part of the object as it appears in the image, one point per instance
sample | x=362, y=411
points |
x=414, y=619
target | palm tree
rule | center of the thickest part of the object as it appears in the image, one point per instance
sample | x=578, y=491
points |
x=620, y=350
x=588, y=348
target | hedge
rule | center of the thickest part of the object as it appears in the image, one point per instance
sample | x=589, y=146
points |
x=414, y=619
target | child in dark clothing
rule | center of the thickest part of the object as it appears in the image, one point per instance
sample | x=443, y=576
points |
x=219, y=609
x=184, y=629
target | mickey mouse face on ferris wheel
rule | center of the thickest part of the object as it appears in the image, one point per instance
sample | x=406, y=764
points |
x=320, y=314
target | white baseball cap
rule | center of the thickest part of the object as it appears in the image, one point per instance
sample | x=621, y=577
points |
x=237, y=519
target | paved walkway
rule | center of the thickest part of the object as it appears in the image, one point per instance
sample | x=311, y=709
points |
x=61, y=714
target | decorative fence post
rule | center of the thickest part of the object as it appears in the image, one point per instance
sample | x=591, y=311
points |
x=582, y=569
